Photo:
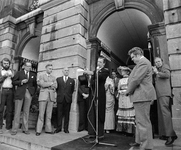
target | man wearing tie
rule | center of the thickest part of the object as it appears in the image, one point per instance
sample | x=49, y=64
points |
x=65, y=89
x=25, y=80
x=48, y=85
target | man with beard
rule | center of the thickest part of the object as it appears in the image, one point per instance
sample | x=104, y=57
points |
x=6, y=94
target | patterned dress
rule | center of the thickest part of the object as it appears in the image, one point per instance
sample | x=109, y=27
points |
x=110, y=101
x=126, y=112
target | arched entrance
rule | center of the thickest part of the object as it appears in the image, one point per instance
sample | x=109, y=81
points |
x=123, y=27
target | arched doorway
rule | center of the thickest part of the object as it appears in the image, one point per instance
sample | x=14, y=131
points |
x=121, y=28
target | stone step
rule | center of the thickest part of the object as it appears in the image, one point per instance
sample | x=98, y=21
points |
x=4, y=146
x=19, y=144
x=45, y=141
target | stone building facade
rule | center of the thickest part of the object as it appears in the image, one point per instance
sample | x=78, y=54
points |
x=67, y=35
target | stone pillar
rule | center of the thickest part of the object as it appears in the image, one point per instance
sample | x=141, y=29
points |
x=63, y=42
x=8, y=37
x=172, y=17
x=93, y=46
x=159, y=41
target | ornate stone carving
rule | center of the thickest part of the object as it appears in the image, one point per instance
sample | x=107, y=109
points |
x=34, y=5
x=119, y=4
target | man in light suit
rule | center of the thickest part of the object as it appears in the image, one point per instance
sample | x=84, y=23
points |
x=48, y=85
x=163, y=90
x=65, y=89
x=142, y=93
x=25, y=80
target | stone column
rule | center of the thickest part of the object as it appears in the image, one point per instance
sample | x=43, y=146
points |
x=63, y=42
x=8, y=37
x=172, y=11
x=159, y=41
x=93, y=46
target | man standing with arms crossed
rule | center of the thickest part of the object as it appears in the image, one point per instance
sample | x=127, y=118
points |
x=48, y=85
x=142, y=93
x=6, y=94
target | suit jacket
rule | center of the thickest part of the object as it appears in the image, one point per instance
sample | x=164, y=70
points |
x=162, y=81
x=65, y=90
x=140, y=87
x=47, y=90
x=82, y=87
x=102, y=75
x=31, y=85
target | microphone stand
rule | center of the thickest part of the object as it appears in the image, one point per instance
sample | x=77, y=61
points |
x=97, y=114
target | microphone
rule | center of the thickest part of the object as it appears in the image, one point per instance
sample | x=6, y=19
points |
x=98, y=68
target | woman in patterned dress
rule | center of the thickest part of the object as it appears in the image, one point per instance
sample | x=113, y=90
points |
x=109, y=123
x=126, y=112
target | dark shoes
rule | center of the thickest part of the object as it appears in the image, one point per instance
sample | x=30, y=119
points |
x=57, y=130
x=66, y=131
x=26, y=132
x=38, y=134
x=170, y=140
x=134, y=144
x=49, y=132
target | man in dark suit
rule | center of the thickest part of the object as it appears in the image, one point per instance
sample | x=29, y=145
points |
x=65, y=89
x=101, y=73
x=25, y=82
x=142, y=93
x=83, y=101
x=164, y=94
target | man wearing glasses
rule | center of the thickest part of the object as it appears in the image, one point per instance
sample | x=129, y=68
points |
x=25, y=81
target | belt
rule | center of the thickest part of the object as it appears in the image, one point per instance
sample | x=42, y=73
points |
x=7, y=88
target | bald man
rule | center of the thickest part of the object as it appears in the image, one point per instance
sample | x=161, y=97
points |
x=65, y=89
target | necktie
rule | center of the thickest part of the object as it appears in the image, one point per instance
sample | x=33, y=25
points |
x=26, y=74
x=65, y=79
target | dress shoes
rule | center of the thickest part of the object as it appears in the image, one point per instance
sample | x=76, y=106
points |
x=57, y=130
x=66, y=131
x=26, y=132
x=49, y=132
x=134, y=144
x=170, y=140
x=38, y=134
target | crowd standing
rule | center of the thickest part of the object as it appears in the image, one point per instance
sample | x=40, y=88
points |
x=112, y=103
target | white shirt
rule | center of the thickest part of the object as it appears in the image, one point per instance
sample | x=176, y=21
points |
x=8, y=81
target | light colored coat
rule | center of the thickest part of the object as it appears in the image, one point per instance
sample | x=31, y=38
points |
x=140, y=87
x=45, y=90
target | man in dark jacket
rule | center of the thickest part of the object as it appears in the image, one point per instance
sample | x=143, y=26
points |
x=65, y=89
x=26, y=84
x=101, y=74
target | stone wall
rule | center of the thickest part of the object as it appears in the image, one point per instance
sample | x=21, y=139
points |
x=172, y=17
x=63, y=41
